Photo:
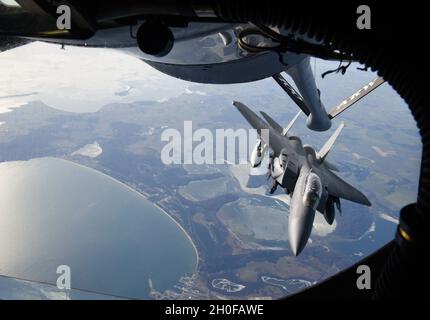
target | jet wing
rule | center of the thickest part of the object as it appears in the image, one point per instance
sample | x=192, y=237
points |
x=277, y=141
x=330, y=165
x=272, y=122
x=277, y=126
x=255, y=121
x=341, y=189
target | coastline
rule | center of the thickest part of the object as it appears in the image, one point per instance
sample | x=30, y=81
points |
x=136, y=192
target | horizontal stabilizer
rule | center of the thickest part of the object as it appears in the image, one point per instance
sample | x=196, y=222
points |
x=329, y=143
x=365, y=90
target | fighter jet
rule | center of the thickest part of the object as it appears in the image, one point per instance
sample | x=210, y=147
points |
x=303, y=173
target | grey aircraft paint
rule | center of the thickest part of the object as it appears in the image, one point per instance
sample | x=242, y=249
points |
x=303, y=173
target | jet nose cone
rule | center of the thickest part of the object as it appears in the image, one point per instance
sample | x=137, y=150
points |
x=299, y=228
x=297, y=245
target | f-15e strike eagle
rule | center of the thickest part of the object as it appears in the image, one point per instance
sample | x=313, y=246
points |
x=303, y=173
x=219, y=51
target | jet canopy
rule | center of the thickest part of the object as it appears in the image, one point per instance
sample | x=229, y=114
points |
x=313, y=191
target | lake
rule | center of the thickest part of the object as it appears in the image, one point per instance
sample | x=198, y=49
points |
x=54, y=212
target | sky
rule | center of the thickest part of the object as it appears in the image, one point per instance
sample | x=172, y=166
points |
x=80, y=79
